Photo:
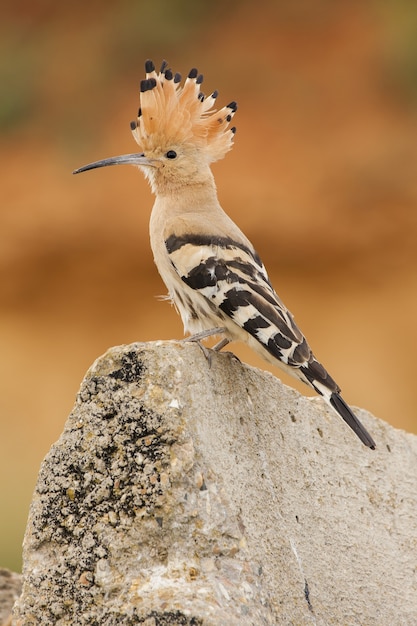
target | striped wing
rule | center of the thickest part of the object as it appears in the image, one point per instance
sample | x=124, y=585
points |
x=233, y=278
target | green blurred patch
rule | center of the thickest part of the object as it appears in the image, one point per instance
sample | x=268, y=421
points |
x=399, y=21
x=17, y=78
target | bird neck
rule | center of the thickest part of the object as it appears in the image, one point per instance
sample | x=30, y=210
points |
x=191, y=196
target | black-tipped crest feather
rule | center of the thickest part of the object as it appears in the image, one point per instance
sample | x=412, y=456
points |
x=170, y=114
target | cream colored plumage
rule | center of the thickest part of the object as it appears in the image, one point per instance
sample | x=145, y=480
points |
x=213, y=274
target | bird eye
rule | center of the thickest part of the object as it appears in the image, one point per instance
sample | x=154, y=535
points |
x=171, y=154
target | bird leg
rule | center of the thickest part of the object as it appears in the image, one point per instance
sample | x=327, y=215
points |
x=221, y=344
x=218, y=330
x=209, y=333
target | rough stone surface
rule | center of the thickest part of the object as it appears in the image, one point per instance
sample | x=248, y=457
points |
x=189, y=494
x=10, y=588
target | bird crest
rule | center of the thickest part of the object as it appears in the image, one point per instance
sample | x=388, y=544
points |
x=173, y=114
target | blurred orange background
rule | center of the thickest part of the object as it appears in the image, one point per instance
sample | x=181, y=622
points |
x=322, y=179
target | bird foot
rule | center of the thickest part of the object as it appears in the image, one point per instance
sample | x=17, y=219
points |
x=221, y=344
x=208, y=352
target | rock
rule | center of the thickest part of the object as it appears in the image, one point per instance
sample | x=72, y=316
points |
x=10, y=588
x=193, y=494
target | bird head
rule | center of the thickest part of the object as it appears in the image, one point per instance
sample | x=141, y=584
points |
x=178, y=130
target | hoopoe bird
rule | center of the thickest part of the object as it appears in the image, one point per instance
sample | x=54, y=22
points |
x=214, y=276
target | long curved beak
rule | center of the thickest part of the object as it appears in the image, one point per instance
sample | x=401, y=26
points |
x=124, y=159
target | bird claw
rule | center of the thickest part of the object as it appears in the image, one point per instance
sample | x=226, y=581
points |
x=208, y=352
x=197, y=340
x=232, y=355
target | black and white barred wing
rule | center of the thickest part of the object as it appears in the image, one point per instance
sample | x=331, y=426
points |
x=233, y=279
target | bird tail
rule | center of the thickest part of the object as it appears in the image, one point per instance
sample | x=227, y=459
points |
x=339, y=405
x=316, y=376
